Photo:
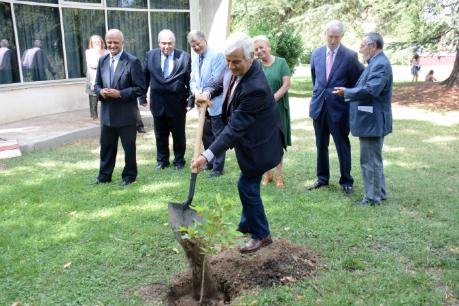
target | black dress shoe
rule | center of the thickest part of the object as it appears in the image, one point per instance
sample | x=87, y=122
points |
x=347, y=189
x=179, y=167
x=141, y=129
x=209, y=166
x=215, y=173
x=161, y=166
x=317, y=185
x=127, y=182
x=253, y=245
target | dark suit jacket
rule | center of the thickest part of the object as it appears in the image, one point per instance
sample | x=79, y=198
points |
x=38, y=66
x=129, y=80
x=9, y=69
x=168, y=95
x=345, y=73
x=370, y=110
x=253, y=122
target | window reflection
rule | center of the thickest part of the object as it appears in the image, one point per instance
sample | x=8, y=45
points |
x=40, y=37
x=179, y=23
x=36, y=49
x=170, y=4
x=9, y=68
x=127, y=3
x=79, y=25
x=134, y=26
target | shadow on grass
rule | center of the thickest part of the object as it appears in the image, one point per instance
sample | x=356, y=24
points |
x=64, y=241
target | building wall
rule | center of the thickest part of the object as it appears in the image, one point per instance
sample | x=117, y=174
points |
x=31, y=99
x=215, y=17
x=24, y=101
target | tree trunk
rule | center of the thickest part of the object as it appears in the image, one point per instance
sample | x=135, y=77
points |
x=204, y=284
x=453, y=79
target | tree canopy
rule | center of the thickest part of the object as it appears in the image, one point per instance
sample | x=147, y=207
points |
x=407, y=25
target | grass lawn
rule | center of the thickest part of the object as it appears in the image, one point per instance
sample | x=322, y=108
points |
x=63, y=241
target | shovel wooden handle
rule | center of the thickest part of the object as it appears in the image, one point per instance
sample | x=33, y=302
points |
x=199, y=131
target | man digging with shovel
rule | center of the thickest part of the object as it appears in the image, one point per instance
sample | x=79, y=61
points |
x=253, y=128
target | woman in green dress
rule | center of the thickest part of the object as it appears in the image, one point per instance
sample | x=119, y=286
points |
x=278, y=75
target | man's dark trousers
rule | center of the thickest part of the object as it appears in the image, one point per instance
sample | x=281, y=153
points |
x=213, y=126
x=323, y=127
x=252, y=206
x=109, y=147
x=163, y=126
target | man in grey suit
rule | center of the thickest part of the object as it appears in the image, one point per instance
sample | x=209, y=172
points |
x=370, y=115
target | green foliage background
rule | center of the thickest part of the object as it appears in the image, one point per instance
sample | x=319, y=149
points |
x=407, y=25
x=283, y=39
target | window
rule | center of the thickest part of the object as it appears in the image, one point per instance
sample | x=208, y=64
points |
x=170, y=4
x=40, y=40
x=9, y=68
x=179, y=23
x=85, y=1
x=127, y=3
x=79, y=25
x=134, y=26
x=49, y=38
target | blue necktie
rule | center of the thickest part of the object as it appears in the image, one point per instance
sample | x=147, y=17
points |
x=201, y=60
x=112, y=72
x=166, y=67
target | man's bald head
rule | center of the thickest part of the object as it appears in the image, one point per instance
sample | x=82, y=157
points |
x=115, y=41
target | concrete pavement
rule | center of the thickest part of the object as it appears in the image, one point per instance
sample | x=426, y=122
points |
x=58, y=129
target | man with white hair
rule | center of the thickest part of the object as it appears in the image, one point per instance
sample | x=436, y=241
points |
x=253, y=128
x=167, y=72
x=208, y=64
x=332, y=65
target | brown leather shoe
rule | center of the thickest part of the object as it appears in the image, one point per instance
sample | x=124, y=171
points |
x=279, y=181
x=253, y=245
x=267, y=178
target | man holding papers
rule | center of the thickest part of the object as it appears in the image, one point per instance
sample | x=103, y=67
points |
x=370, y=115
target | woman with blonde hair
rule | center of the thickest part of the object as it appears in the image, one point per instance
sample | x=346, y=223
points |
x=96, y=49
x=278, y=75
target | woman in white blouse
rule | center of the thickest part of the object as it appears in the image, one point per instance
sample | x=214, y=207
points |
x=96, y=48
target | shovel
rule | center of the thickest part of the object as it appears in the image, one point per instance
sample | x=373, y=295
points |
x=180, y=214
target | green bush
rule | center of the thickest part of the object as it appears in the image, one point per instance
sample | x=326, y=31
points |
x=284, y=41
x=306, y=56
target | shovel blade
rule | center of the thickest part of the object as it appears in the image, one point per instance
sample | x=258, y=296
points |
x=178, y=217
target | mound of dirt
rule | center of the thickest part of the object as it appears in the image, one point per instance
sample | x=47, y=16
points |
x=432, y=96
x=279, y=263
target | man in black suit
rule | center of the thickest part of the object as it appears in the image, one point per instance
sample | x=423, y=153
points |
x=9, y=69
x=253, y=128
x=35, y=62
x=119, y=82
x=167, y=72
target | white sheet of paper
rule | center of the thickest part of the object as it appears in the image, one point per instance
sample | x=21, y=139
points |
x=367, y=109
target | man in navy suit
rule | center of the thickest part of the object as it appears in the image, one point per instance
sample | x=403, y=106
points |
x=371, y=115
x=332, y=65
x=167, y=72
x=119, y=82
x=253, y=128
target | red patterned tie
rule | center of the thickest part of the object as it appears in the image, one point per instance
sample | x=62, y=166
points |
x=228, y=93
